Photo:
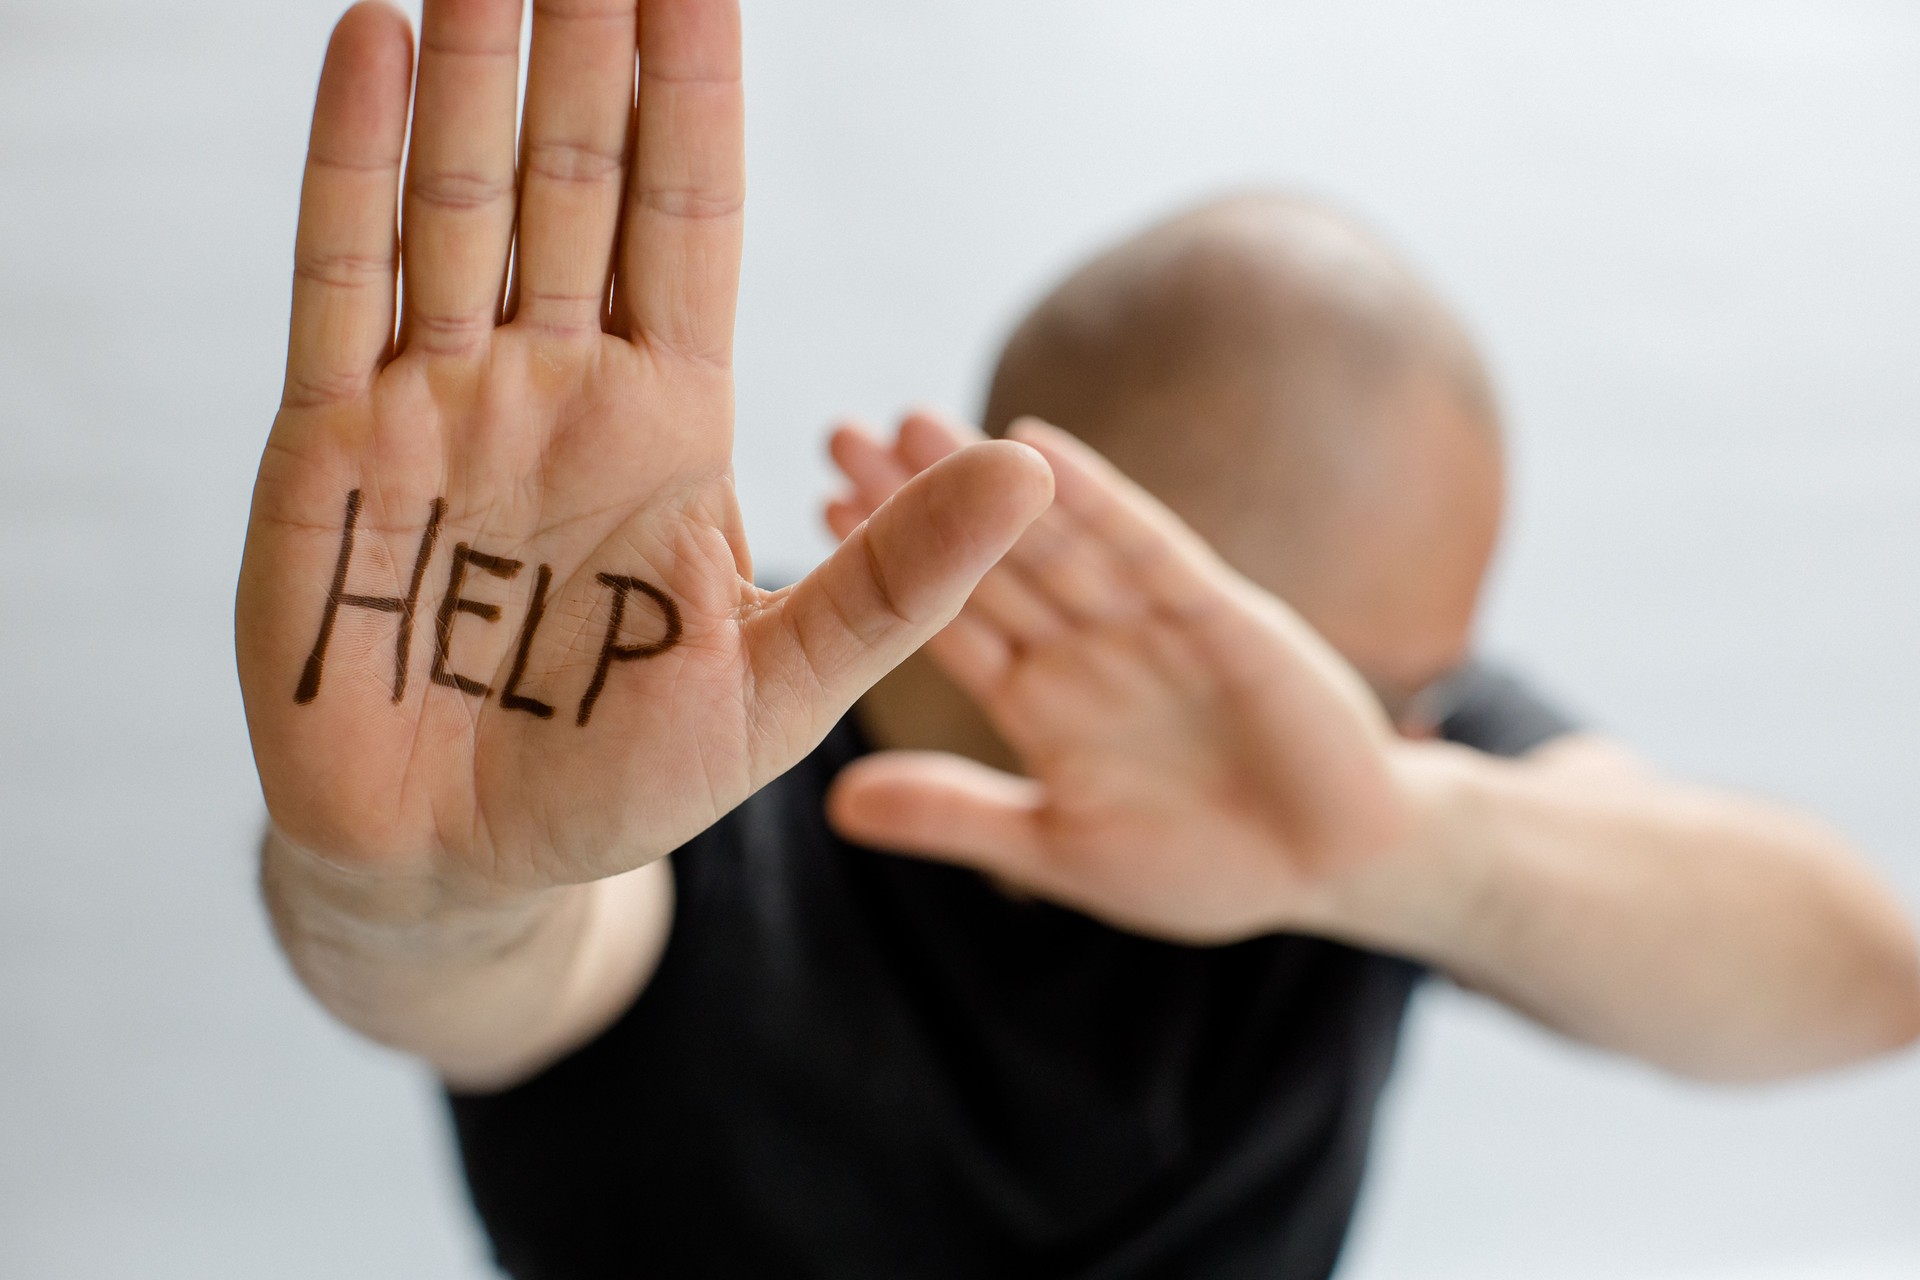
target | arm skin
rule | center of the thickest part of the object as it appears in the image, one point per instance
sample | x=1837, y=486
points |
x=1200, y=766
x=1712, y=935
x=498, y=637
x=487, y=890
x=1715, y=936
x=486, y=992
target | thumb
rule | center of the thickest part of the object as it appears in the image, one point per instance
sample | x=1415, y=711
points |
x=891, y=586
x=940, y=806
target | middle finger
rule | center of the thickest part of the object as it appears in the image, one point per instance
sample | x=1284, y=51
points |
x=580, y=77
x=457, y=223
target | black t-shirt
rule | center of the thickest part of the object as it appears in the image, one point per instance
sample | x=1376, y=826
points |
x=854, y=1065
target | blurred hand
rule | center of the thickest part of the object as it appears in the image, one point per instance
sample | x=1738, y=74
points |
x=496, y=626
x=1200, y=765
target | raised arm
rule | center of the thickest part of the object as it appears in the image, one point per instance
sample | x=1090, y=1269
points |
x=1200, y=766
x=1713, y=934
x=496, y=628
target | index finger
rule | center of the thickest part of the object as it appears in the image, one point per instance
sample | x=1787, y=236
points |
x=679, y=271
x=1145, y=543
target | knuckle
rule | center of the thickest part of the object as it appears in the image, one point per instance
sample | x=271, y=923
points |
x=343, y=269
x=321, y=388
x=725, y=80
x=560, y=313
x=689, y=203
x=467, y=30
x=585, y=10
x=573, y=162
x=379, y=167
x=454, y=190
x=713, y=355
x=447, y=333
x=890, y=615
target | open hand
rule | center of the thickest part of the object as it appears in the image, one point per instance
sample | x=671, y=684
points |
x=496, y=623
x=1200, y=765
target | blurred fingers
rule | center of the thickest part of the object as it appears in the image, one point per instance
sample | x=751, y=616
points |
x=943, y=807
x=979, y=644
x=1146, y=550
x=1176, y=573
x=927, y=435
x=1065, y=571
x=975, y=654
x=1002, y=602
x=896, y=580
x=1007, y=602
x=869, y=466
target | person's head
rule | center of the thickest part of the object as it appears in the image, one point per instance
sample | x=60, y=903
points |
x=1278, y=377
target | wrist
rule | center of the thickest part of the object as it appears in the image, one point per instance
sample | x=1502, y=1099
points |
x=484, y=986
x=1418, y=897
x=311, y=893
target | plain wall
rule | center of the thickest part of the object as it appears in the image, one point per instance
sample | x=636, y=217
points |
x=1684, y=230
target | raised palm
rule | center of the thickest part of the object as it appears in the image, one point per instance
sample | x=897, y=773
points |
x=1199, y=764
x=496, y=619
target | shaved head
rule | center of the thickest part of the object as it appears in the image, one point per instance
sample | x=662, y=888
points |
x=1281, y=379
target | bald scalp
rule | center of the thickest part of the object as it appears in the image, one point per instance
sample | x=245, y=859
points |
x=1258, y=352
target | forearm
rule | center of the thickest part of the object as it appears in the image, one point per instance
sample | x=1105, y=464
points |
x=1711, y=935
x=485, y=990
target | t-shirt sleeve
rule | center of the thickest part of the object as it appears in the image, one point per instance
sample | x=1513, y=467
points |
x=1492, y=710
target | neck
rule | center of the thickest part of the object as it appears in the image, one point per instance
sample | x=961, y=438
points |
x=916, y=708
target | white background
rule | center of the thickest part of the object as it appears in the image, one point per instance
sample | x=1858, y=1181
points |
x=1685, y=229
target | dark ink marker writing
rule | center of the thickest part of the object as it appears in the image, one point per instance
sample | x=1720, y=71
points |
x=337, y=595
x=455, y=603
x=612, y=651
x=510, y=696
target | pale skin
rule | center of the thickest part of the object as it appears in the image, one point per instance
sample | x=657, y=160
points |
x=486, y=889
x=1196, y=763
x=443, y=865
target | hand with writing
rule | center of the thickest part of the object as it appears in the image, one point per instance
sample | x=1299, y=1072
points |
x=1200, y=765
x=496, y=624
